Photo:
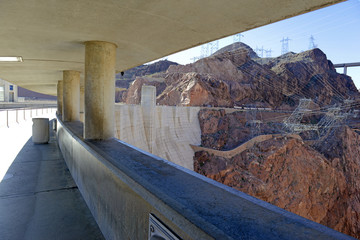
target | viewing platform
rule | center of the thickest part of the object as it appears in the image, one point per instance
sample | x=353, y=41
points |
x=73, y=188
x=38, y=197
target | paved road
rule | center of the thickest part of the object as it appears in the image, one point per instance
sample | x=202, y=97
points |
x=38, y=197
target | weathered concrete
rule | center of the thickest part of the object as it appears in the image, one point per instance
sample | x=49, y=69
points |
x=122, y=185
x=71, y=95
x=39, y=199
x=171, y=130
x=148, y=104
x=82, y=99
x=60, y=97
x=100, y=58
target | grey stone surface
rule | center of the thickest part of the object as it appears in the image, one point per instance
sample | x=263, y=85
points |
x=39, y=199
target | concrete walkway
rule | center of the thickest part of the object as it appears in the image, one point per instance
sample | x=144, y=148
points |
x=39, y=199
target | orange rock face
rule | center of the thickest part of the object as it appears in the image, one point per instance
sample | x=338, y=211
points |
x=319, y=182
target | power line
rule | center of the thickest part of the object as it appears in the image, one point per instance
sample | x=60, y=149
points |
x=285, y=45
x=237, y=37
x=312, y=44
x=268, y=53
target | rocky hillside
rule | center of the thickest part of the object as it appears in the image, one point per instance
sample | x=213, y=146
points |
x=235, y=76
x=319, y=182
x=225, y=131
x=133, y=94
x=31, y=95
x=123, y=82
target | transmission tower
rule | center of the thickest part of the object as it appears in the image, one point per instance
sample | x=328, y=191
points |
x=330, y=117
x=268, y=53
x=194, y=59
x=312, y=44
x=204, y=51
x=260, y=51
x=237, y=37
x=293, y=122
x=214, y=46
x=252, y=121
x=209, y=48
x=333, y=117
x=285, y=45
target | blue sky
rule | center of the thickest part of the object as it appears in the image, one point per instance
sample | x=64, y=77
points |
x=336, y=30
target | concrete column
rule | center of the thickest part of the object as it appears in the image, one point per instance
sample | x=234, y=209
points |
x=148, y=104
x=60, y=98
x=82, y=99
x=100, y=60
x=71, y=95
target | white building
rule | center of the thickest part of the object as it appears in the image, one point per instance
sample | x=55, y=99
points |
x=8, y=92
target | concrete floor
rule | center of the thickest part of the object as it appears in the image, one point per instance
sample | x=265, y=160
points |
x=39, y=199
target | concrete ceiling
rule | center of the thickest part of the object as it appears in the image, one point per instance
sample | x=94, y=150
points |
x=49, y=34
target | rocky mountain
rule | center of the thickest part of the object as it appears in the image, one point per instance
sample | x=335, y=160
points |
x=124, y=82
x=237, y=47
x=133, y=94
x=318, y=181
x=236, y=76
x=225, y=131
x=31, y=95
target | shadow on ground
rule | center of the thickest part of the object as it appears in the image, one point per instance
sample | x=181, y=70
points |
x=40, y=200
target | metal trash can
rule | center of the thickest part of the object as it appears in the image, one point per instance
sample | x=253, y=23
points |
x=40, y=130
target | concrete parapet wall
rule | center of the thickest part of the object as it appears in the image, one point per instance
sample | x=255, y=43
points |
x=164, y=131
x=122, y=185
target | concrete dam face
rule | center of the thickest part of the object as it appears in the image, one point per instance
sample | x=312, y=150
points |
x=164, y=131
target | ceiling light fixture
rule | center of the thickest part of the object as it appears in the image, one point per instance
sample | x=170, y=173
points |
x=11, y=59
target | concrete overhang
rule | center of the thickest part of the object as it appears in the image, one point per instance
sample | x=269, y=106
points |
x=49, y=35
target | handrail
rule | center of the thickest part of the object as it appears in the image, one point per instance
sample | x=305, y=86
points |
x=13, y=116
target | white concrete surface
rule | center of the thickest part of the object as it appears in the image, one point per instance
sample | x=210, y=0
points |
x=174, y=130
x=12, y=140
x=39, y=199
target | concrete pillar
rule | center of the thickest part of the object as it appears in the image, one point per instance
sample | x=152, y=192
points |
x=148, y=104
x=71, y=95
x=100, y=60
x=60, y=98
x=82, y=99
x=345, y=70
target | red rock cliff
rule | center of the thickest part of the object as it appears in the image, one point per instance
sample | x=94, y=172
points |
x=319, y=182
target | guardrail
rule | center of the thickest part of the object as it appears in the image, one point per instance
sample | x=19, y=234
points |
x=133, y=195
x=34, y=104
x=9, y=117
